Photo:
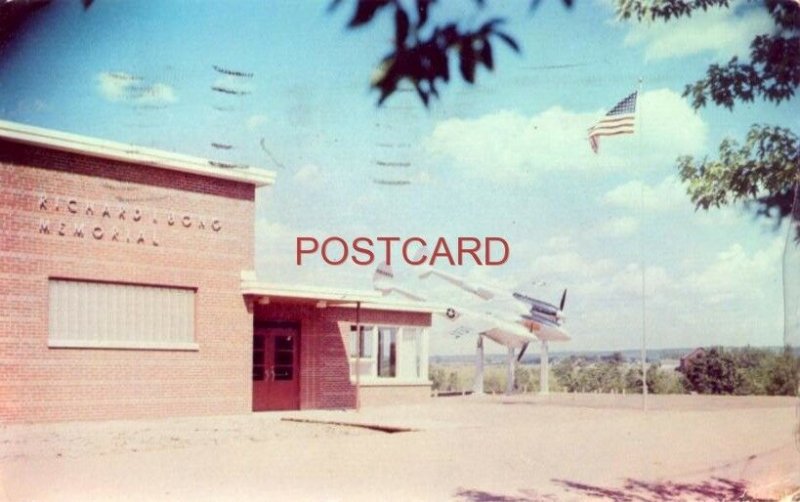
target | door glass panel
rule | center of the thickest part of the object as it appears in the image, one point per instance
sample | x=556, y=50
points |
x=284, y=342
x=283, y=359
x=283, y=372
x=259, y=372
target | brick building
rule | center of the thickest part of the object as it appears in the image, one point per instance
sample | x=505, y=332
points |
x=127, y=291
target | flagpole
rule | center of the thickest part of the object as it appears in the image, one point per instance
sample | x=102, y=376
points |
x=641, y=251
x=791, y=309
x=620, y=120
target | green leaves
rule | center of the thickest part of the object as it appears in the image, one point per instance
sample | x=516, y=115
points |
x=786, y=14
x=422, y=53
x=663, y=10
x=616, y=375
x=773, y=74
x=762, y=172
x=366, y=10
x=424, y=61
x=402, y=25
x=742, y=371
x=508, y=40
x=466, y=62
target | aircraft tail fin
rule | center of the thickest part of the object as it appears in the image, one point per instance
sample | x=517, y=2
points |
x=383, y=281
x=383, y=278
x=423, y=254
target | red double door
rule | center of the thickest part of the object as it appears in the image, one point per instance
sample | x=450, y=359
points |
x=276, y=379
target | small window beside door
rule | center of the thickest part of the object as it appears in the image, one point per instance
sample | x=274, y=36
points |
x=388, y=353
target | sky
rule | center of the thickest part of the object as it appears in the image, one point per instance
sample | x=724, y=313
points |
x=505, y=157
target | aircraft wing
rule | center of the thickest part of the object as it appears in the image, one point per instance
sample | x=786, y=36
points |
x=483, y=292
x=507, y=338
x=498, y=301
x=465, y=322
x=403, y=292
x=545, y=329
x=500, y=317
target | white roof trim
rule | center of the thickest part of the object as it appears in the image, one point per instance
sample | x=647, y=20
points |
x=130, y=153
x=372, y=300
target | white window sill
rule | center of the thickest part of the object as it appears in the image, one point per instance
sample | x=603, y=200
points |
x=390, y=382
x=94, y=344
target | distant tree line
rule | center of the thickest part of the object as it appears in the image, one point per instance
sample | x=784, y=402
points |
x=614, y=375
x=712, y=370
x=443, y=380
x=459, y=378
x=746, y=371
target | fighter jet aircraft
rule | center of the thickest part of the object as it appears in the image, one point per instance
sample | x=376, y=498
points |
x=511, y=318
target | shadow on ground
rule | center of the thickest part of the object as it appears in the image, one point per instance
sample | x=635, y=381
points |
x=717, y=489
x=483, y=496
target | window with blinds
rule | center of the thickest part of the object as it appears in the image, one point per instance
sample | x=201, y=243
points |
x=107, y=315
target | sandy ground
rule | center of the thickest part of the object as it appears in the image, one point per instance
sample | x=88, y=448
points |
x=521, y=448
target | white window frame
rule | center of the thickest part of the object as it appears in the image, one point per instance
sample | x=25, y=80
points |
x=369, y=363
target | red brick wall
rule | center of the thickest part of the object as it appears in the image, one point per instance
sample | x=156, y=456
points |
x=38, y=383
x=324, y=371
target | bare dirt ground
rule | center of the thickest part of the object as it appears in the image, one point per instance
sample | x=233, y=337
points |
x=521, y=448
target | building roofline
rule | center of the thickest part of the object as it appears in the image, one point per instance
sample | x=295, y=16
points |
x=100, y=148
x=332, y=297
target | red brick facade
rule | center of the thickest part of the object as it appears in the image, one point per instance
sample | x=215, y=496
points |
x=81, y=217
x=324, y=371
x=70, y=216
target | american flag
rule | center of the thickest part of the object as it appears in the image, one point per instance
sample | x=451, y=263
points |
x=618, y=121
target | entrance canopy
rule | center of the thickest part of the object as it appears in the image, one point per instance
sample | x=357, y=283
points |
x=319, y=347
x=264, y=293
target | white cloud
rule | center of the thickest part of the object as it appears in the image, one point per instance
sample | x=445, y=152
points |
x=720, y=31
x=732, y=298
x=735, y=273
x=635, y=195
x=271, y=236
x=309, y=174
x=121, y=86
x=276, y=255
x=569, y=264
x=726, y=216
x=255, y=121
x=113, y=85
x=628, y=281
x=156, y=94
x=618, y=227
x=667, y=127
x=421, y=177
x=507, y=146
x=559, y=243
x=275, y=244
